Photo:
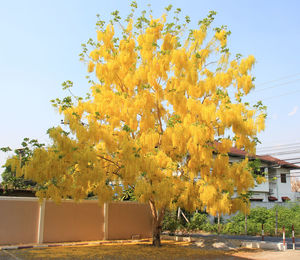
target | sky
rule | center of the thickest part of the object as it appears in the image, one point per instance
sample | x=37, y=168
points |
x=41, y=40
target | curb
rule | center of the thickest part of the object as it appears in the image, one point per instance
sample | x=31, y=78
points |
x=264, y=245
x=238, y=243
x=94, y=243
x=179, y=238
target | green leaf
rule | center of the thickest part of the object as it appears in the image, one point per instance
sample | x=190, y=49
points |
x=67, y=84
x=126, y=128
x=5, y=149
x=168, y=8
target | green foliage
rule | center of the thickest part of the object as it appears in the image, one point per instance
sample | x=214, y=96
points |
x=287, y=216
x=260, y=215
x=170, y=222
x=259, y=105
x=5, y=149
x=128, y=194
x=255, y=167
x=198, y=221
x=64, y=103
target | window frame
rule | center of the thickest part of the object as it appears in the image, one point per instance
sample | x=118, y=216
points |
x=283, y=177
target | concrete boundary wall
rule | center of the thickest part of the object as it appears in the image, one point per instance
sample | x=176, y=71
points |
x=27, y=221
x=18, y=220
x=135, y=218
x=73, y=221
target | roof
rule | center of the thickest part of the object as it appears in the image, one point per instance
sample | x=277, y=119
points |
x=266, y=158
x=285, y=164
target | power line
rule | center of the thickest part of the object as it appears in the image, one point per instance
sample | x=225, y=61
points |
x=282, y=162
x=284, y=152
x=275, y=86
x=289, y=144
x=291, y=159
x=279, y=145
x=274, y=80
x=283, y=149
x=284, y=94
x=290, y=163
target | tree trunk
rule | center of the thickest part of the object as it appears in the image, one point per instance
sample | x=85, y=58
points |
x=156, y=236
x=158, y=216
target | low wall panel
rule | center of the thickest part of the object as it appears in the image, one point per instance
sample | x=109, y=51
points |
x=71, y=221
x=127, y=219
x=18, y=220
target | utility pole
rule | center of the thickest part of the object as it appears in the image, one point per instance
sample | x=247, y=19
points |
x=276, y=221
x=21, y=154
x=218, y=223
x=246, y=231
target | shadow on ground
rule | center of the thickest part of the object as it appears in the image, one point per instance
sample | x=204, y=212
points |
x=169, y=250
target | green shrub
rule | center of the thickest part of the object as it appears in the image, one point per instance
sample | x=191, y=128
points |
x=259, y=215
x=170, y=222
x=287, y=216
x=233, y=228
x=198, y=221
x=237, y=218
x=253, y=228
x=210, y=227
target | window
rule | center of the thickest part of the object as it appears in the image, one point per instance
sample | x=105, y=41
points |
x=283, y=178
x=256, y=199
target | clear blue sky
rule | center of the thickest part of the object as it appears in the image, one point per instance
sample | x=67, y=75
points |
x=40, y=43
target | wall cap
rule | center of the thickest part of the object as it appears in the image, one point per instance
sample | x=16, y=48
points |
x=18, y=198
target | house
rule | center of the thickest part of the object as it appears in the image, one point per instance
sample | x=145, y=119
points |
x=278, y=187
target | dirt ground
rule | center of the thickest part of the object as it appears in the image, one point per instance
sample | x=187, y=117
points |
x=144, y=250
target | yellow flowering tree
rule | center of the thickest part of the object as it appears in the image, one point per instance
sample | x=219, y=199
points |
x=165, y=107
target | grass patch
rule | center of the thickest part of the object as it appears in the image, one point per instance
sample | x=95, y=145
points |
x=141, y=250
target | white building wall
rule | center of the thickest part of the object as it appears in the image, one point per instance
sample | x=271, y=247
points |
x=274, y=187
x=297, y=197
x=263, y=187
x=261, y=191
x=284, y=189
x=270, y=204
x=260, y=195
x=273, y=182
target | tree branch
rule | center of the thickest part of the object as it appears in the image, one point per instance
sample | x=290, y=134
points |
x=108, y=160
x=153, y=209
x=159, y=118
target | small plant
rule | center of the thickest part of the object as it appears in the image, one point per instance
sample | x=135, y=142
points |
x=198, y=221
x=170, y=222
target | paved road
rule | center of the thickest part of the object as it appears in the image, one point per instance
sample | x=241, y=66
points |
x=251, y=238
x=270, y=239
x=267, y=255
